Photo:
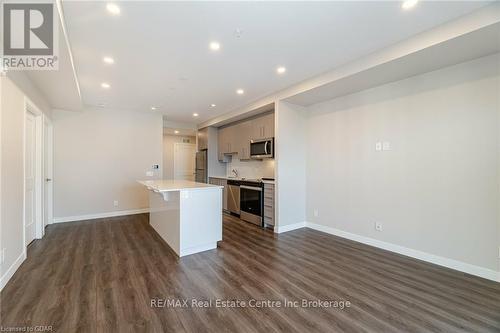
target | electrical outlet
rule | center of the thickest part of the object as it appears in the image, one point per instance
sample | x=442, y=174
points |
x=386, y=146
x=378, y=146
x=316, y=213
x=115, y=203
x=378, y=226
x=155, y=167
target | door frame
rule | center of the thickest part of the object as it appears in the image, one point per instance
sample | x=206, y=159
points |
x=30, y=107
x=177, y=144
x=48, y=153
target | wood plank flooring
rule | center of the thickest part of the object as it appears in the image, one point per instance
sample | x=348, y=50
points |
x=100, y=276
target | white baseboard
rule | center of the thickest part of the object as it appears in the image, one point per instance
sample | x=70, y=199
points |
x=99, y=215
x=289, y=227
x=441, y=261
x=12, y=269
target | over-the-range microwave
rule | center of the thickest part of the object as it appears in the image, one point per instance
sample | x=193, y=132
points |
x=262, y=148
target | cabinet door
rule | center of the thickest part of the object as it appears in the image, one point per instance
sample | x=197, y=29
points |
x=231, y=138
x=256, y=129
x=236, y=138
x=222, y=141
x=244, y=134
x=268, y=126
x=203, y=139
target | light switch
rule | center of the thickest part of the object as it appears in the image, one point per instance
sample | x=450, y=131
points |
x=149, y=173
x=378, y=146
x=386, y=146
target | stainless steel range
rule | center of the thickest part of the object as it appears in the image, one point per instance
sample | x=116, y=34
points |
x=250, y=199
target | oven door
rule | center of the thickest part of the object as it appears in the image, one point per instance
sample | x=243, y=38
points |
x=251, y=204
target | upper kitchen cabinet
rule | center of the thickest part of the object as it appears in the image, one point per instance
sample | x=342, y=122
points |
x=231, y=139
x=222, y=143
x=263, y=127
x=227, y=141
x=244, y=131
x=235, y=139
x=203, y=139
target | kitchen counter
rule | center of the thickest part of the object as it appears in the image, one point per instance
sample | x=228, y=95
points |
x=232, y=178
x=186, y=214
x=167, y=185
x=242, y=178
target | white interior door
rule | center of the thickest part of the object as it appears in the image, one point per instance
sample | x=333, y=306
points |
x=30, y=174
x=47, y=173
x=184, y=161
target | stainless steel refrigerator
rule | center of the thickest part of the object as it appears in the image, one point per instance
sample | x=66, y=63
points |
x=201, y=167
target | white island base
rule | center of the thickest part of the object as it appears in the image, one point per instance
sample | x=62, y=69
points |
x=187, y=215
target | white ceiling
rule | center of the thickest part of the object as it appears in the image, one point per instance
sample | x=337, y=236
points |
x=162, y=57
x=59, y=86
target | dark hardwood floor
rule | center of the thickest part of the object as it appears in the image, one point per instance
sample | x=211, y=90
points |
x=100, y=276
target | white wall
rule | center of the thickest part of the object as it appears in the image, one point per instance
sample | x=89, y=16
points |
x=12, y=114
x=437, y=191
x=252, y=169
x=98, y=156
x=168, y=152
x=21, y=80
x=290, y=144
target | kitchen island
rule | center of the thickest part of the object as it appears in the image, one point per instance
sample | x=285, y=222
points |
x=186, y=214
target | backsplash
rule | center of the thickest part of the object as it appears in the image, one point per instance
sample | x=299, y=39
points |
x=251, y=169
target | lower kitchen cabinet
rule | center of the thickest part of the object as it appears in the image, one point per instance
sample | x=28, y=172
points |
x=269, y=219
x=221, y=182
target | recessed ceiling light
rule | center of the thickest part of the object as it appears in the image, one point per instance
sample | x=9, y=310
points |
x=214, y=46
x=176, y=132
x=407, y=4
x=153, y=108
x=212, y=105
x=108, y=60
x=281, y=70
x=113, y=9
x=240, y=91
x=195, y=115
x=105, y=85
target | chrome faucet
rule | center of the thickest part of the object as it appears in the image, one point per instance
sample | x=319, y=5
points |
x=235, y=172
